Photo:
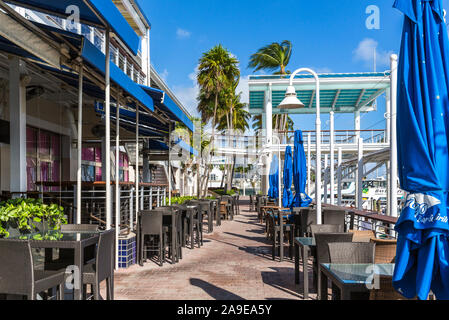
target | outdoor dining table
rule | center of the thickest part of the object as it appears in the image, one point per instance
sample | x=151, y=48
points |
x=306, y=245
x=75, y=240
x=351, y=278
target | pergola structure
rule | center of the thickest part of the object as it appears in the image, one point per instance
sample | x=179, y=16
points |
x=354, y=93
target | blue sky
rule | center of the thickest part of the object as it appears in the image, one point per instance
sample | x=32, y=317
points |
x=327, y=35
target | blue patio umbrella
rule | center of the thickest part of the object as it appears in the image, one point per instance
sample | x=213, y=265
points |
x=287, y=196
x=301, y=199
x=423, y=159
x=273, y=191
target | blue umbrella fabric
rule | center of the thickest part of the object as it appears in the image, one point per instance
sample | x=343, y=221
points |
x=273, y=191
x=423, y=159
x=287, y=196
x=301, y=199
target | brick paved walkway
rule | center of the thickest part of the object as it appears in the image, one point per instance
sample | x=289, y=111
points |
x=234, y=263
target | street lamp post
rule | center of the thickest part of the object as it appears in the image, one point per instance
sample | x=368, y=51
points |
x=291, y=101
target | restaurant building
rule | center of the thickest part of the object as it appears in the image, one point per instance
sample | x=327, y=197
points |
x=62, y=137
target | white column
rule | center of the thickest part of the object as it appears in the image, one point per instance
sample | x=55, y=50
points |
x=388, y=140
x=339, y=176
x=393, y=149
x=169, y=163
x=326, y=180
x=17, y=118
x=137, y=169
x=117, y=180
x=332, y=157
x=269, y=135
x=80, y=146
x=108, y=133
x=359, y=177
x=309, y=163
x=318, y=153
x=357, y=126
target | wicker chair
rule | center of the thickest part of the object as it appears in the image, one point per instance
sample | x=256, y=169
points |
x=334, y=216
x=103, y=268
x=362, y=235
x=322, y=251
x=351, y=252
x=308, y=217
x=385, y=250
x=18, y=275
x=326, y=228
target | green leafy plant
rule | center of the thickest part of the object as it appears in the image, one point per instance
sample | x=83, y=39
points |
x=182, y=200
x=24, y=215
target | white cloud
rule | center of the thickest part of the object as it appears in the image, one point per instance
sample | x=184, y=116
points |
x=365, y=52
x=164, y=75
x=183, y=34
x=188, y=94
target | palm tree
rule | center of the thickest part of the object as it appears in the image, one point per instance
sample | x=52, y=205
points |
x=275, y=56
x=272, y=57
x=217, y=69
x=232, y=117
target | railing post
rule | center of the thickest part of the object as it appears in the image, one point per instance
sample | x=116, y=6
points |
x=351, y=220
x=151, y=198
x=142, y=190
x=131, y=207
x=75, y=204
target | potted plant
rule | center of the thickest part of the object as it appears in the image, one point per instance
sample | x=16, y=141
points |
x=20, y=217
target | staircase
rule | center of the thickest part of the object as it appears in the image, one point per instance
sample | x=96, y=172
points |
x=158, y=172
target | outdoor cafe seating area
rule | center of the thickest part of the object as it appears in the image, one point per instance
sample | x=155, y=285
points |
x=167, y=230
x=70, y=261
x=358, y=261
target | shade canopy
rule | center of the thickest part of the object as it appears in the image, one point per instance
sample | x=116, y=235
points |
x=339, y=92
x=273, y=191
x=100, y=13
x=301, y=199
x=287, y=196
x=93, y=59
x=167, y=105
x=422, y=259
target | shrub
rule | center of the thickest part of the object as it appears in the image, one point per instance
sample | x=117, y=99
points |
x=23, y=215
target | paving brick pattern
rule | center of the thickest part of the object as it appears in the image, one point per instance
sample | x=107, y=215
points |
x=235, y=263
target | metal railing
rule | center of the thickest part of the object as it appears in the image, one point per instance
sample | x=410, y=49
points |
x=93, y=201
x=381, y=225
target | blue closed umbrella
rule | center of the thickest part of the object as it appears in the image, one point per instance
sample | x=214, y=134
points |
x=287, y=196
x=301, y=199
x=423, y=159
x=273, y=191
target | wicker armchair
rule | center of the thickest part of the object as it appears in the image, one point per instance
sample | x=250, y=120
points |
x=351, y=252
x=385, y=250
x=322, y=251
x=326, y=228
x=363, y=235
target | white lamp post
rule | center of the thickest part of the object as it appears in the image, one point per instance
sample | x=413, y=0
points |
x=291, y=101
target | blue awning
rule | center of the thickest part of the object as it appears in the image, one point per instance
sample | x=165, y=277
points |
x=166, y=104
x=93, y=57
x=148, y=125
x=97, y=59
x=101, y=13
